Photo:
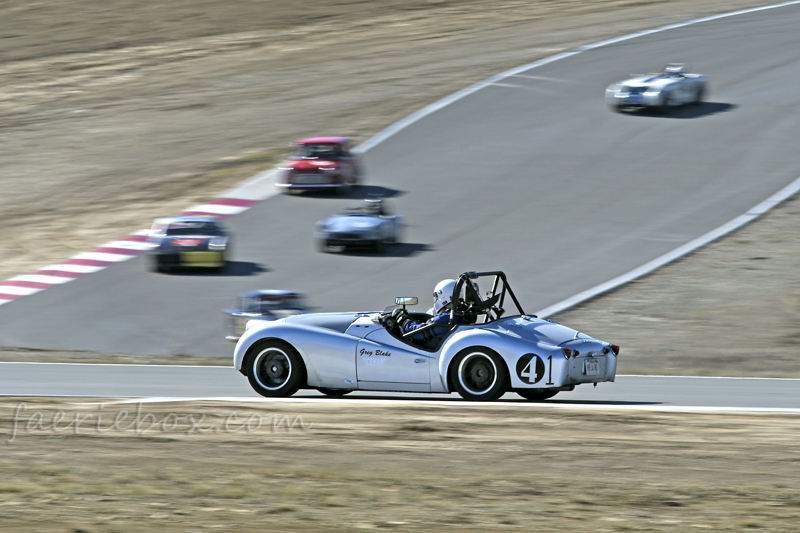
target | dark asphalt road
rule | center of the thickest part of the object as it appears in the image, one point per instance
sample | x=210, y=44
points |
x=135, y=381
x=532, y=175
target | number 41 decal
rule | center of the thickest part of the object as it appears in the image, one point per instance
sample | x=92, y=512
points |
x=531, y=369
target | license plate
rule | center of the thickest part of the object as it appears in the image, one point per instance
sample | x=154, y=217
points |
x=591, y=368
x=201, y=259
x=307, y=178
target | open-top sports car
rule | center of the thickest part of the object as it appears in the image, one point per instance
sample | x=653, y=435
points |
x=672, y=88
x=188, y=241
x=371, y=225
x=320, y=163
x=485, y=353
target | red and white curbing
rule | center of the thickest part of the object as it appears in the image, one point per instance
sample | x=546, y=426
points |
x=110, y=253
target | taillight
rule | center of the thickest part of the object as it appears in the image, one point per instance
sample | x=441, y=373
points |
x=567, y=352
x=615, y=348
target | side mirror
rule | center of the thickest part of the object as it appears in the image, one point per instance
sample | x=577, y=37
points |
x=406, y=300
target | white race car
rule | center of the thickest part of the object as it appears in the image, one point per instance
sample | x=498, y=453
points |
x=483, y=355
x=672, y=88
x=371, y=225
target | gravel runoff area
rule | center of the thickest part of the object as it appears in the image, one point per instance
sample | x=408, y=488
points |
x=206, y=466
x=111, y=115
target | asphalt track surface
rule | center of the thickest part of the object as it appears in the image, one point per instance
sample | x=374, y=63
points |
x=225, y=383
x=532, y=175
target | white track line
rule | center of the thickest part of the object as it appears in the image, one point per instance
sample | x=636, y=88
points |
x=677, y=253
x=461, y=404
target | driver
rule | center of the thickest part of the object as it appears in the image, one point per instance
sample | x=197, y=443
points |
x=442, y=306
x=374, y=207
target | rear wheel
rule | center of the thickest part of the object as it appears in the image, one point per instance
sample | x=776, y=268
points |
x=479, y=374
x=274, y=369
x=536, y=395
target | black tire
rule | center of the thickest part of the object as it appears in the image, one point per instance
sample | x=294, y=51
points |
x=158, y=264
x=701, y=92
x=479, y=374
x=667, y=105
x=222, y=268
x=536, y=395
x=380, y=246
x=274, y=369
x=334, y=393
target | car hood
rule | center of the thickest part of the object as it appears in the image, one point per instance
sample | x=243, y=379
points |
x=311, y=164
x=351, y=223
x=537, y=330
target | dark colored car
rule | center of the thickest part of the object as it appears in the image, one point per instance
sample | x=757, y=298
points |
x=188, y=242
x=260, y=305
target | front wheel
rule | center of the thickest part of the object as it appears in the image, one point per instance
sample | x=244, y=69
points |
x=665, y=105
x=536, y=395
x=274, y=369
x=698, y=97
x=479, y=374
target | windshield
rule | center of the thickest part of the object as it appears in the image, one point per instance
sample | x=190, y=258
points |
x=327, y=151
x=267, y=304
x=194, y=228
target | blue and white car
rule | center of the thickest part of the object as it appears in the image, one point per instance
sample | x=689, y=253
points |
x=669, y=89
x=485, y=353
x=371, y=225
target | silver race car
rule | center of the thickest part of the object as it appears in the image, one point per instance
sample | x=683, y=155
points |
x=485, y=352
x=188, y=242
x=672, y=88
x=371, y=225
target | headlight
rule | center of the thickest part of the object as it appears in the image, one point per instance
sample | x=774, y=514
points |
x=217, y=245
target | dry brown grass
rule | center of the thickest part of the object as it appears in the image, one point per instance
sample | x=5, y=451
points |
x=402, y=467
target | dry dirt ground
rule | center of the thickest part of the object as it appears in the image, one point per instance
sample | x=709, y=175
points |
x=401, y=467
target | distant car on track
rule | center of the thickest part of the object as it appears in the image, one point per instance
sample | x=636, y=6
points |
x=321, y=163
x=483, y=355
x=188, y=242
x=370, y=225
x=672, y=88
x=260, y=305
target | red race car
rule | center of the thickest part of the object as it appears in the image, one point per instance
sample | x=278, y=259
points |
x=321, y=163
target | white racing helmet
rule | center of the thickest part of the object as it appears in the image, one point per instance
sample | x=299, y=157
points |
x=443, y=294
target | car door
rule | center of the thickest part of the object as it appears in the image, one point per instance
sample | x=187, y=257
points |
x=380, y=357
